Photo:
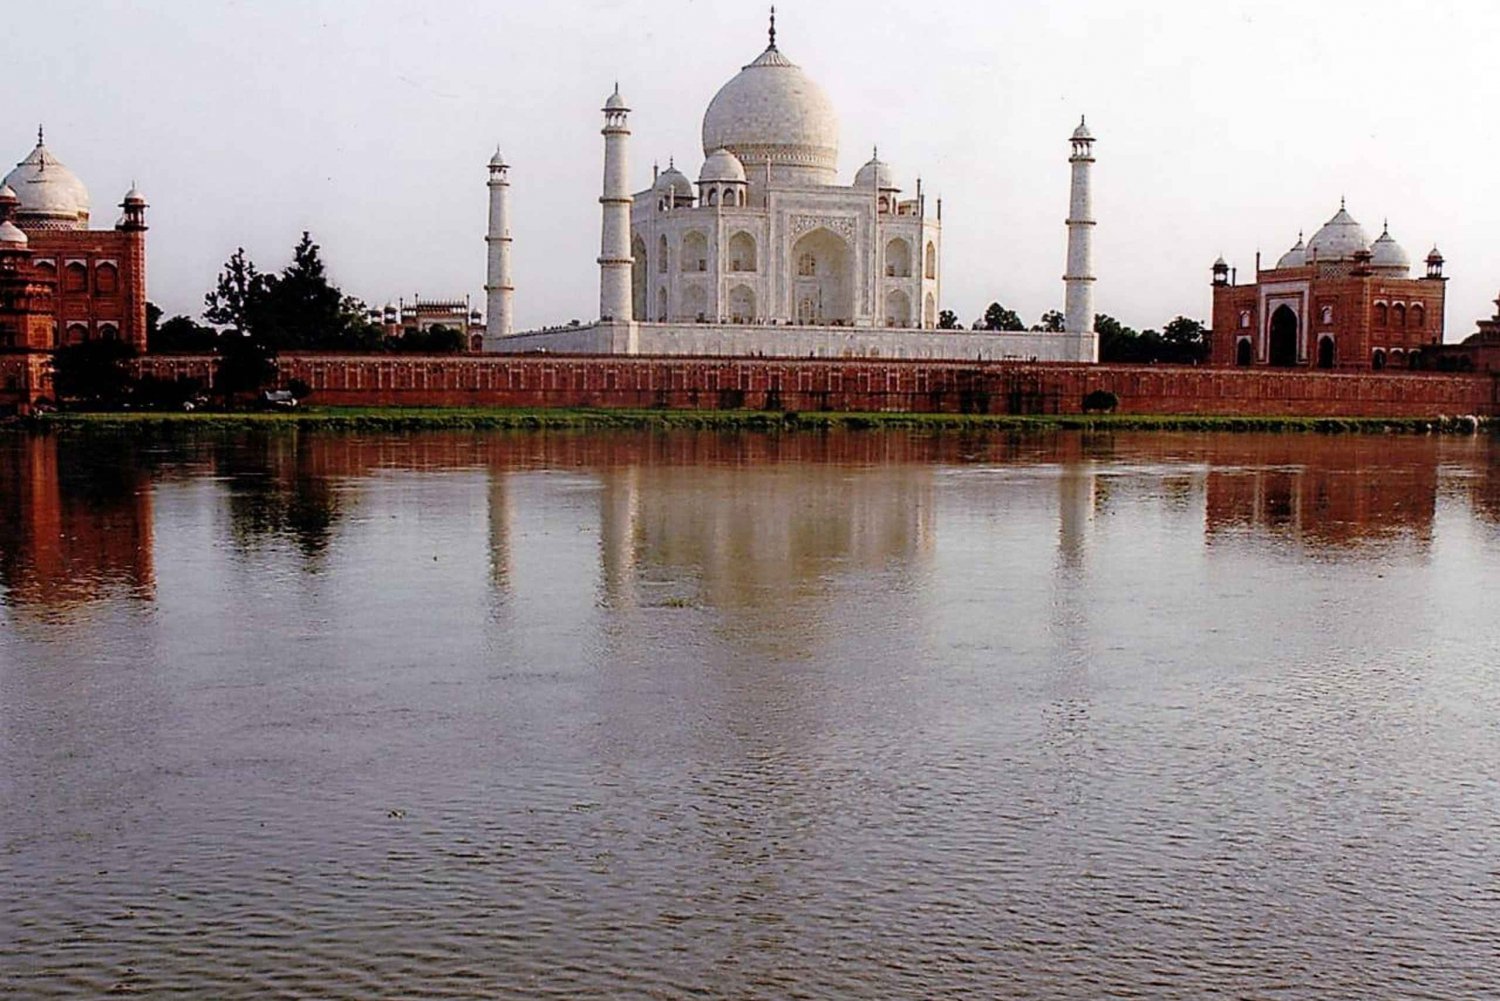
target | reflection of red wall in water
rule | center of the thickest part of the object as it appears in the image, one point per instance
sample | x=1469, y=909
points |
x=1337, y=489
x=860, y=385
x=63, y=548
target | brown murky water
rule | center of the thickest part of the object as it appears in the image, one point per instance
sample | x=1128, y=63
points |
x=688, y=715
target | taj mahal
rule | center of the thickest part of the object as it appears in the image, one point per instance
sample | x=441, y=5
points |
x=768, y=253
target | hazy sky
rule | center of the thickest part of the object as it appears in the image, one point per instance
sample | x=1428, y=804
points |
x=1223, y=127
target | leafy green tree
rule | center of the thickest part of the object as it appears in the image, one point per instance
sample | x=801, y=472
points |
x=246, y=363
x=1051, y=322
x=238, y=300
x=182, y=333
x=304, y=310
x=94, y=373
x=1186, y=341
x=153, y=321
x=948, y=320
x=436, y=339
x=997, y=317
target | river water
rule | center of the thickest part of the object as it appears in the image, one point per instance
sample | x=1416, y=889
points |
x=702, y=715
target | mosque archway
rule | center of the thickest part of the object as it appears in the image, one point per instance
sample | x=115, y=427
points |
x=640, y=276
x=897, y=309
x=823, y=287
x=1284, y=337
x=1325, y=352
x=1244, y=352
x=742, y=304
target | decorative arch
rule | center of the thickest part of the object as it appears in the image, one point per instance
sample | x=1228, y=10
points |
x=1398, y=315
x=1325, y=315
x=1244, y=319
x=823, y=289
x=109, y=332
x=1326, y=352
x=713, y=196
x=694, y=303
x=640, y=277
x=661, y=255
x=661, y=304
x=897, y=309
x=1418, y=316
x=742, y=304
x=77, y=333
x=695, y=252
x=930, y=269
x=1382, y=314
x=742, y=252
x=898, y=259
x=1377, y=360
x=929, y=312
x=75, y=277
x=1284, y=334
x=1244, y=352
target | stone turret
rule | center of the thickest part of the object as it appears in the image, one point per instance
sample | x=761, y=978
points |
x=498, y=288
x=615, y=259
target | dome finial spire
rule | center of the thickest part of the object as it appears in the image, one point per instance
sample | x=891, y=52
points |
x=773, y=26
x=39, y=134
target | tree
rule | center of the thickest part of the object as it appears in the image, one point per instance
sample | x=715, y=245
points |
x=153, y=320
x=436, y=339
x=181, y=333
x=1186, y=341
x=94, y=373
x=246, y=363
x=948, y=320
x=305, y=310
x=1052, y=322
x=997, y=317
x=238, y=301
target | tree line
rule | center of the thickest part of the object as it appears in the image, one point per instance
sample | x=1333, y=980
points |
x=1181, y=341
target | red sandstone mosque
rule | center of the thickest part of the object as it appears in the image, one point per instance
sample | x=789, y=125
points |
x=1340, y=301
x=61, y=282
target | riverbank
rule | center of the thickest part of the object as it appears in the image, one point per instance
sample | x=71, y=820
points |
x=481, y=419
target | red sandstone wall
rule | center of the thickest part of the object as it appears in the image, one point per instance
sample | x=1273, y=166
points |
x=872, y=385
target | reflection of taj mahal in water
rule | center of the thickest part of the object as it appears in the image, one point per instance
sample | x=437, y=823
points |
x=769, y=253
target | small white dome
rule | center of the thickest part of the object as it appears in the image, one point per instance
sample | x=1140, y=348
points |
x=674, y=181
x=1436, y=256
x=875, y=174
x=11, y=236
x=615, y=101
x=133, y=197
x=722, y=167
x=772, y=112
x=1082, y=132
x=52, y=196
x=497, y=160
x=1387, y=254
x=1296, y=257
x=1339, y=239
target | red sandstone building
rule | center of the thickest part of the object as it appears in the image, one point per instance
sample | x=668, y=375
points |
x=1338, y=302
x=61, y=282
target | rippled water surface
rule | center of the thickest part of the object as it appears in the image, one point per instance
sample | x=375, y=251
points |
x=690, y=715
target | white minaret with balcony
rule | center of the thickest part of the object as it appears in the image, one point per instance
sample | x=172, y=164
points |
x=1078, y=302
x=498, y=289
x=615, y=259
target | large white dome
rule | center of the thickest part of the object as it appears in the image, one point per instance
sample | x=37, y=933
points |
x=52, y=196
x=772, y=112
x=1339, y=239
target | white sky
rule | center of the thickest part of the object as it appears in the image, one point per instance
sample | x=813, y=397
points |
x=1223, y=127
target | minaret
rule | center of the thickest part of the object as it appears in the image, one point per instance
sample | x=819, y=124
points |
x=615, y=260
x=133, y=224
x=1078, y=302
x=498, y=289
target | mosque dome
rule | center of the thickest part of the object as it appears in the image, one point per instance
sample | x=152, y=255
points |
x=875, y=174
x=615, y=102
x=11, y=236
x=772, y=112
x=1082, y=132
x=722, y=167
x=1339, y=239
x=497, y=160
x=1296, y=257
x=675, y=182
x=1387, y=254
x=52, y=196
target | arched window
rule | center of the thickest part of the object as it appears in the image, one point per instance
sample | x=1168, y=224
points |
x=929, y=312
x=1243, y=352
x=661, y=255
x=107, y=279
x=109, y=332
x=807, y=265
x=1377, y=361
x=931, y=268
x=77, y=333
x=898, y=259
x=75, y=278
x=885, y=204
x=695, y=252
x=1381, y=314
x=1325, y=352
x=1398, y=315
x=742, y=304
x=713, y=196
x=1418, y=316
x=1244, y=319
x=742, y=252
x=661, y=304
x=1325, y=315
